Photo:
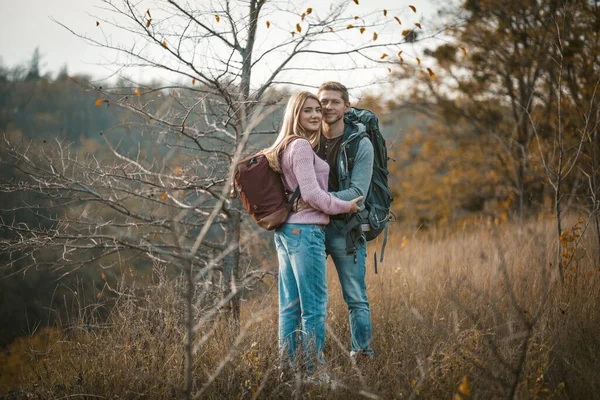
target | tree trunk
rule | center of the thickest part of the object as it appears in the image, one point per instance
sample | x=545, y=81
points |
x=559, y=232
x=231, y=263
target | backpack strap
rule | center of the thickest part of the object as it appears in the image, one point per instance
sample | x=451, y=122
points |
x=352, y=229
x=352, y=149
x=385, y=238
x=295, y=197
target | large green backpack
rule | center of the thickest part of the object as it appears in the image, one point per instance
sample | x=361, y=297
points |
x=379, y=198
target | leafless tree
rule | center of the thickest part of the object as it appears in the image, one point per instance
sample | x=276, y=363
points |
x=572, y=150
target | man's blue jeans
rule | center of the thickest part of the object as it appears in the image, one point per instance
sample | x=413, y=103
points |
x=351, y=269
x=302, y=291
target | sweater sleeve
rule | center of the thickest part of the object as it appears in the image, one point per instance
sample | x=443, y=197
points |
x=302, y=160
x=362, y=173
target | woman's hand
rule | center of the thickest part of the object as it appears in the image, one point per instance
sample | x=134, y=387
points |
x=355, y=207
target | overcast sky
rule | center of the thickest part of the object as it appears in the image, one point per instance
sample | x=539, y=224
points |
x=25, y=24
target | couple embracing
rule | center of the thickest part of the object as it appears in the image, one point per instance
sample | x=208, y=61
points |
x=311, y=153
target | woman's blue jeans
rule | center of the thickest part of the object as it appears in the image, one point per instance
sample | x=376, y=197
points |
x=302, y=292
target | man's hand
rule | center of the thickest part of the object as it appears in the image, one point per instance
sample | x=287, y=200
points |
x=355, y=207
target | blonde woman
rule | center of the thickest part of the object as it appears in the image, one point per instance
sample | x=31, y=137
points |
x=300, y=242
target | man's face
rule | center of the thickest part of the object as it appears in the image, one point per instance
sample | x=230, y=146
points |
x=334, y=106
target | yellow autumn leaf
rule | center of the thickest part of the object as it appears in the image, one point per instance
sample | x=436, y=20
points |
x=148, y=12
x=155, y=235
x=98, y=102
x=164, y=43
x=398, y=19
x=350, y=26
x=136, y=92
x=418, y=61
x=389, y=70
x=193, y=81
x=362, y=30
x=331, y=29
x=178, y=170
x=182, y=193
x=384, y=55
x=148, y=23
x=385, y=13
x=356, y=1
x=308, y=10
x=464, y=50
x=163, y=196
x=399, y=53
x=405, y=32
x=465, y=386
x=217, y=18
x=293, y=34
x=268, y=24
x=99, y=295
x=298, y=28
x=418, y=25
x=302, y=16
x=97, y=23
x=103, y=276
x=356, y=17
x=431, y=74
x=413, y=8
x=374, y=35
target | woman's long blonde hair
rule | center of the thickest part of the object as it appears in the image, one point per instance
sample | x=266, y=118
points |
x=291, y=129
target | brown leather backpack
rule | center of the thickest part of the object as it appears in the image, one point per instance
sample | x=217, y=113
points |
x=262, y=192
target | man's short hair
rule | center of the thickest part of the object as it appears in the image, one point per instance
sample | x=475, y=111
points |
x=337, y=87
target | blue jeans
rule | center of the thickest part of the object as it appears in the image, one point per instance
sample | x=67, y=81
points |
x=351, y=270
x=302, y=291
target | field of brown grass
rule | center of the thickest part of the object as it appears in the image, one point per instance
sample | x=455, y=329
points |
x=474, y=313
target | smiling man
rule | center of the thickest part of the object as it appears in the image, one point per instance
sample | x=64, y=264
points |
x=349, y=177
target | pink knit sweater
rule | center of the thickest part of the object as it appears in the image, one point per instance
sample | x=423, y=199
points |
x=301, y=166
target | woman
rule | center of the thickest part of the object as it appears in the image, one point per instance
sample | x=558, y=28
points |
x=300, y=242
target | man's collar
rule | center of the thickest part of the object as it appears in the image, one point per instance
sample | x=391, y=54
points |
x=338, y=135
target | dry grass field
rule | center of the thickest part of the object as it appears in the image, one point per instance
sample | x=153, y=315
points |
x=479, y=312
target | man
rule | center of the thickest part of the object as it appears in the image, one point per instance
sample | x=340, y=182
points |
x=349, y=177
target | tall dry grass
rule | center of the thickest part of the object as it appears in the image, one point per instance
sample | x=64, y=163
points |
x=477, y=313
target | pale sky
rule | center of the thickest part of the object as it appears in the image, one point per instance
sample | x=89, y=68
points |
x=25, y=24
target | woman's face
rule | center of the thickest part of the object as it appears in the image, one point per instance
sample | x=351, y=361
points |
x=310, y=115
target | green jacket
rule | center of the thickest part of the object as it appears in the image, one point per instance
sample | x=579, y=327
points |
x=354, y=172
